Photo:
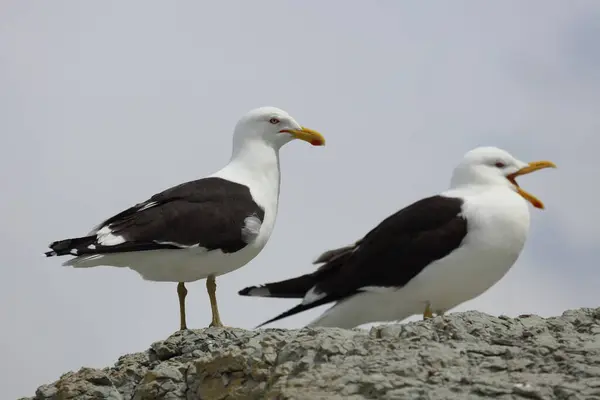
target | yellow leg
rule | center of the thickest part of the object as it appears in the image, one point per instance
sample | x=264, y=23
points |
x=211, y=288
x=182, y=292
x=427, y=314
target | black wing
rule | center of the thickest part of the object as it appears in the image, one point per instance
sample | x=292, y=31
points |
x=210, y=213
x=390, y=255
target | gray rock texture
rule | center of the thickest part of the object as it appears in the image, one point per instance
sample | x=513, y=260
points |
x=459, y=356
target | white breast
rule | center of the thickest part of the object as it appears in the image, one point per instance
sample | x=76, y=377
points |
x=497, y=223
x=264, y=188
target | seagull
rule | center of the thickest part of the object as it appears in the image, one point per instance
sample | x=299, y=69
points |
x=203, y=228
x=434, y=254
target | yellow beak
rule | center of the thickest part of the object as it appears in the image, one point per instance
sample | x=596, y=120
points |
x=531, y=167
x=308, y=135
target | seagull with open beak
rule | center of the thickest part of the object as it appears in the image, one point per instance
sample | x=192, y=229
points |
x=429, y=256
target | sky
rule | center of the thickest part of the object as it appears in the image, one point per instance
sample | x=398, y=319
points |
x=104, y=103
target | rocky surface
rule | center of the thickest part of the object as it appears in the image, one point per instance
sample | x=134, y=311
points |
x=460, y=356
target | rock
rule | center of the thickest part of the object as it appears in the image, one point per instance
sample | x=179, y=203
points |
x=467, y=355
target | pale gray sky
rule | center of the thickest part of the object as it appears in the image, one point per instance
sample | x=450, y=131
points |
x=104, y=103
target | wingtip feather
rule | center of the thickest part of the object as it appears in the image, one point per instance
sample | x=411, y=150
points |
x=258, y=291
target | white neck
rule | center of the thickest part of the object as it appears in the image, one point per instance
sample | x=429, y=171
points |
x=256, y=164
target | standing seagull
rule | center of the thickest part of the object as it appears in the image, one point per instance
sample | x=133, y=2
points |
x=203, y=228
x=432, y=255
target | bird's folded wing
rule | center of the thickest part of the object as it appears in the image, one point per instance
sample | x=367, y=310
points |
x=209, y=213
x=396, y=250
x=387, y=258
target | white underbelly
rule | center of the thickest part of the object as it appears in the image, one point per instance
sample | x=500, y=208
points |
x=459, y=277
x=443, y=284
x=189, y=265
x=182, y=265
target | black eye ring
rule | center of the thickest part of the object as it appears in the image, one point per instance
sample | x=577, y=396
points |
x=500, y=164
x=274, y=121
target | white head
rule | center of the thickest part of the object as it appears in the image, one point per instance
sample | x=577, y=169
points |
x=272, y=126
x=494, y=166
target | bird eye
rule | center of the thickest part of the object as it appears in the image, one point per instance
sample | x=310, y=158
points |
x=500, y=164
x=274, y=121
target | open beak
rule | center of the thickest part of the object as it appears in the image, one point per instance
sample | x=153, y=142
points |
x=308, y=135
x=531, y=167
